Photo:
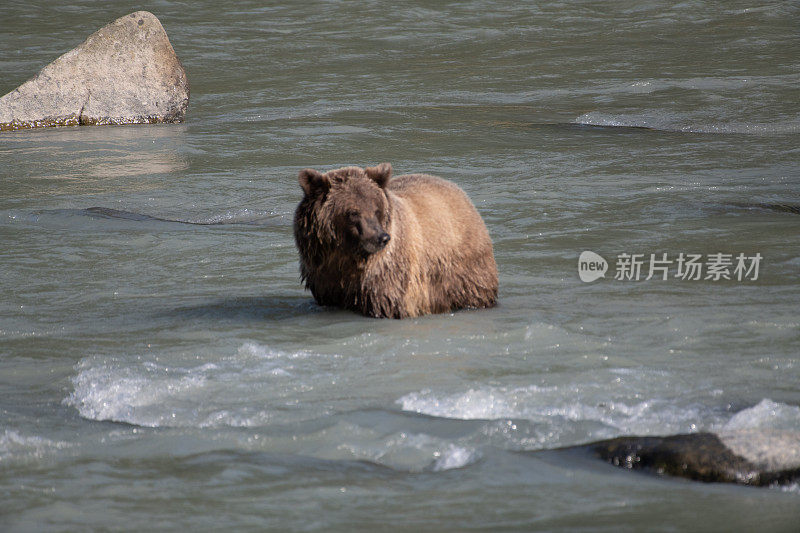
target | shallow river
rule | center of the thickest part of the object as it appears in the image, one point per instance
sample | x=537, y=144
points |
x=165, y=375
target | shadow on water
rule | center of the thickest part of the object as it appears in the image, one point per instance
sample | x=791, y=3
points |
x=116, y=214
x=105, y=212
x=249, y=308
x=116, y=219
x=767, y=206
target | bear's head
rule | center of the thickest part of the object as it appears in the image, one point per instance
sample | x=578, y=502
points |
x=351, y=207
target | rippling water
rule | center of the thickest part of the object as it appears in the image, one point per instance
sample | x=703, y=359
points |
x=173, y=374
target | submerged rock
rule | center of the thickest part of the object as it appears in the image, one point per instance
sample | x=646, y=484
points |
x=124, y=73
x=756, y=459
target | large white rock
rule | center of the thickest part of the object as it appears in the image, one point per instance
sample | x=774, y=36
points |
x=124, y=73
x=767, y=449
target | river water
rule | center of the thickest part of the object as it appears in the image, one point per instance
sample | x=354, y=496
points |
x=166, y=375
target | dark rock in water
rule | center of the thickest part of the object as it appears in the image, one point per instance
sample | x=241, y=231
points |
x=124, y=73
x=697, y=456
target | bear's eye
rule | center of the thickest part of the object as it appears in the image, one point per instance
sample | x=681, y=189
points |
x=378, y=214
x=352, y=216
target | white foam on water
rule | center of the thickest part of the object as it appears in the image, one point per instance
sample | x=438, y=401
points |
x=473, y=404
x=228, y=392
x=15, y=446
x=412, y=452
x=454, y=457
x=445, y=455
x=766, y=415
x=133, y=395
x=260, y=351
x=553, y=406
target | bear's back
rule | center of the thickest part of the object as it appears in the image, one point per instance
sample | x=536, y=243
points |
x=444, y=211
x=452, y=247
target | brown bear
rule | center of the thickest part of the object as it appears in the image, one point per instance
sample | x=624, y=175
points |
x=392, y=248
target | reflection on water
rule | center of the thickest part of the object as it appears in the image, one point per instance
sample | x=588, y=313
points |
x=83, y=160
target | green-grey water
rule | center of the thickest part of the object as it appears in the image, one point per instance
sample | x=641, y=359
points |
x=164, y=375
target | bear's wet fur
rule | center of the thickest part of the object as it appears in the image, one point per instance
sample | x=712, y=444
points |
x=392, y=247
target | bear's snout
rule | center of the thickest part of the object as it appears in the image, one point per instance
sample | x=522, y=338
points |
x=375, y=243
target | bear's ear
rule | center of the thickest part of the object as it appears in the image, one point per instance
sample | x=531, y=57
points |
x=380, y=174
x=312, y=181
